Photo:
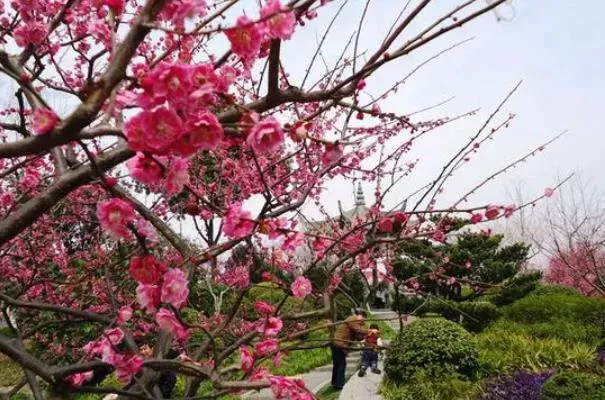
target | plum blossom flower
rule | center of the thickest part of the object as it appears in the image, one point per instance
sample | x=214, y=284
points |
x=114, y=215
x=144, y=169
x=293, y=241
x=148, y=297
x=237, y=223
x=166, y=128
x=548, y=192
x=332, y=154
x=114, y=336
x=167, y=320
x=124, y=314
x=172, y=81
x=492, y=212
x=44, y=120
x=289, y=388
x=264, y=308
x=246, y=359
x=272, y=326
x=126, y=366
x=385, y=225
x=278, y=24
x=180, y=10
x=205, y=131
x=265, y=136
x=476, y=218
x=439, y=236
x=31, y=33
x=266, y=347
x=174, y=288
x=401, y=217
x=301, y=287
x=135, y=129
x=177, y=177
x=245, y=39
x=79, y=378
x=146, y=269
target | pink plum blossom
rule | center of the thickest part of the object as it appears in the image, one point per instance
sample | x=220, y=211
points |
x=167, y=320
x=265, y=136
x=177, y=177
x=174, y=288
x=237, y=223
x=45, y=121
x=385, y=225
x=278, y=24
x=114, y=215
x=148, y=297
x=245, y=39
x=144, y=169
x=264, y=308
x=246, y=359
x=266, y=347
x=146, y=269
x=301, y=287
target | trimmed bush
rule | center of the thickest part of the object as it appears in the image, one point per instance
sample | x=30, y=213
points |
x=520, y=386
x=574, y=386
x=435, y=346
x=473, y=315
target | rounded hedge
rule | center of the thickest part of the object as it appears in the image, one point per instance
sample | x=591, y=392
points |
x=433, y=346
x=574, y=386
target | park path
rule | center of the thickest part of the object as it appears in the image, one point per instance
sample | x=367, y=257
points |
x=356, y=388
x=366, y=388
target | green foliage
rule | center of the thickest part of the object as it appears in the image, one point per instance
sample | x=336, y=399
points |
x=561, y=329
x=574, y=386
x=502, y=352
x=423, y=387
x=552, y=312
x=473, y=315
x=10, y=372
x=516, y=288
x=406, y=304
x=547, y=290
x=434, y=345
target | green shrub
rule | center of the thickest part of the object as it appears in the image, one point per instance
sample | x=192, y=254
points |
x=574, y=386
x=502, y=352
x=555, y=329
x=435, y=346
x=516, y=289
x=557, y=313
x=406, y=304
x=473, y=315
x=549, y=290
x=423, y=387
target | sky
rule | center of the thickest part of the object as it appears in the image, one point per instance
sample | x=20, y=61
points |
x=555, y=47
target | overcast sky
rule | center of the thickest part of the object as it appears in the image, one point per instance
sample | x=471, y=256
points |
x=554, y=46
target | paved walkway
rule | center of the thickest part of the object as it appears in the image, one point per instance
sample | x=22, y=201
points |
x=366, y=388
x=356, y=388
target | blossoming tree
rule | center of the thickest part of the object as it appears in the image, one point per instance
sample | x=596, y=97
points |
x=183, y=109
